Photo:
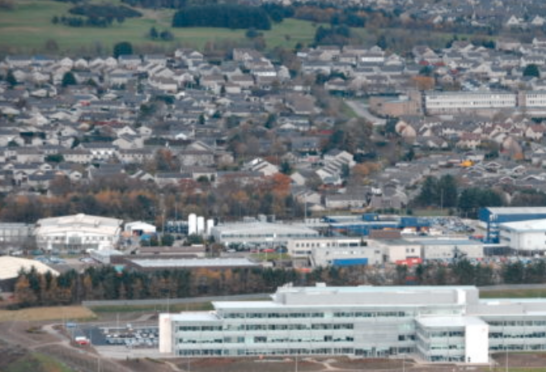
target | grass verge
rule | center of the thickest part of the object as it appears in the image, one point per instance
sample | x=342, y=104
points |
x=47, y=313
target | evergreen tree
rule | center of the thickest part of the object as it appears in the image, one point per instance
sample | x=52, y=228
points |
x=123, y=48
x=447, y=191
x=531, y=70
x=69, y=79
x=153, y=33
x=10, y=79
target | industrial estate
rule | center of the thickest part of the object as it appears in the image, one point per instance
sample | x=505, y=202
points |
x=272, y=185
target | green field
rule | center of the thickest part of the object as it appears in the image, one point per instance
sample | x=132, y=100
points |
x=202, y=306
x=28, y=27
x=513, y=293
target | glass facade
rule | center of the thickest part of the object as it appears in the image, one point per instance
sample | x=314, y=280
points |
x=436, y=324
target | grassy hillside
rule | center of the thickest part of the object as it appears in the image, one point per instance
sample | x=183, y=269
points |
x=36, y=362
x=28, y=27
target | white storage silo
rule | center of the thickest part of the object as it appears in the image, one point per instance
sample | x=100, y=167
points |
x=210, y=225
x=200, y=225
x=192, y=224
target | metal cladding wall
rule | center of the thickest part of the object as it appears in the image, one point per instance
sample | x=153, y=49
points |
x=493, y=220
x=350, y=262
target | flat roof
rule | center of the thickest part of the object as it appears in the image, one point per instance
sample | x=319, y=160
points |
x=195, y=316
x=449, y=321
x=262, y=228
x=448, y=242
x=516, y=210
x=373, y=289
x=193, y=262
x=525, y=226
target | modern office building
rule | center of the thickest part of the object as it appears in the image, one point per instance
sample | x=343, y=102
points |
x=434, y=324
x=495, y=216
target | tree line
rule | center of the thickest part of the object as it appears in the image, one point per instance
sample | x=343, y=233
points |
x=92, y=15
x=463, y=272
x=107, y=283
x=444, y=192
x=122, y=197
x=222, y=15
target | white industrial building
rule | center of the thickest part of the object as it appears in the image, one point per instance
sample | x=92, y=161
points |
x=260, y=233
x=304, y=247
x=434, y=324
x=527, y=237
x=77, y=232
x=325, y=251
x=139, y=228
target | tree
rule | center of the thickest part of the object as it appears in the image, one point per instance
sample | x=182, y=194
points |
x=153, y=33
x=251, y=33
x=427, y=195
x=531, y=70
x=10, y=79
x=286, y=168
x=123, y=48
x=167, y=240
x=166, y=35
x=474, y=198
x=382, y=42
x=447, y=192
x=69, y=79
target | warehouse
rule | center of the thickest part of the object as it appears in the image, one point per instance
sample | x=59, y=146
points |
x=435, y=324
x=11, y=266
x=525, y=237
x=493, y=217
x=260, y=233
x=77, y=232
x=447, y=249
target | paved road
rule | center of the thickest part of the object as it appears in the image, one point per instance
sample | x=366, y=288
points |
x=173, y=301
x=361, y=109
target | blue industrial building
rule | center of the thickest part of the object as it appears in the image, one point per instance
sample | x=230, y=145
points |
x=362, y=225
x=493, y=217
x=344, y=262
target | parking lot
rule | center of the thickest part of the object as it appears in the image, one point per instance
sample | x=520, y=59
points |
x=131, y=337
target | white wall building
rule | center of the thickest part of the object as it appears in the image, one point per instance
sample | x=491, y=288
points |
x=77, y=232
x=436, y=324
x=524, y=236
x=260, y=233
x=139, y=227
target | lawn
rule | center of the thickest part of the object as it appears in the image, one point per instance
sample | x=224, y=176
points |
x=47, y=313
x=513, y=293
x=28, y=27
x=202, y=306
